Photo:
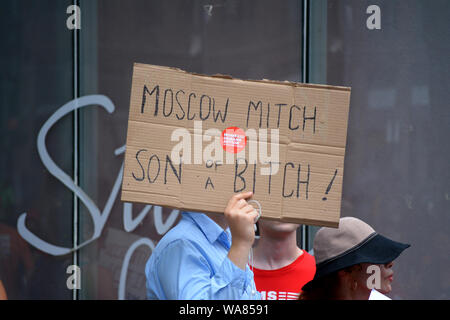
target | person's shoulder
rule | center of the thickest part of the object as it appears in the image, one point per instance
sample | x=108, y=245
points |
x=305, y=260
x=175, y=239
x=309, y=262
x=184, y=232
x=308, y=256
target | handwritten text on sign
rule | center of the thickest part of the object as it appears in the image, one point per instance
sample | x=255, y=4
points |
x=195, y=140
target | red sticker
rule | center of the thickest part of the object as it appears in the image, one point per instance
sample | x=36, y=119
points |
x=233, y=139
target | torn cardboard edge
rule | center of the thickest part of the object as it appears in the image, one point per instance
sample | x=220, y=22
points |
x=228, y=77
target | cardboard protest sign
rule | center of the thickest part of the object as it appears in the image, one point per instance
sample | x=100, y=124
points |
x=195, y=140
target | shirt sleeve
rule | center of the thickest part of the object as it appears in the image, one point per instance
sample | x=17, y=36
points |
x=184, y=273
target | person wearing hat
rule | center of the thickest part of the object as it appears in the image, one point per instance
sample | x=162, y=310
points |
x=346, y=259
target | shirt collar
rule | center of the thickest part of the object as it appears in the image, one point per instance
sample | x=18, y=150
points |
x=212, y=231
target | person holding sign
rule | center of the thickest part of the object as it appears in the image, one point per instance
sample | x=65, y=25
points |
x=205, y=256
x=280, y=267
x=351, y=261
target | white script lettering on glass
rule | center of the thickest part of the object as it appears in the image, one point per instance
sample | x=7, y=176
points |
x=99, y=218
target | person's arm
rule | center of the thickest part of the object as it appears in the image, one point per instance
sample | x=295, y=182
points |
x=183, y=273
x=240, y=217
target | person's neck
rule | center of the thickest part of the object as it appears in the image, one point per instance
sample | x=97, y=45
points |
x=276, y=252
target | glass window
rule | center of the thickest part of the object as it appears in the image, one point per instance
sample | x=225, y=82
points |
x=61, y=166
x=239, y=38
x=36, y=80
x=397, y=160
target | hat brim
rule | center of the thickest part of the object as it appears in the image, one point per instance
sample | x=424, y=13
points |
x=378, y=250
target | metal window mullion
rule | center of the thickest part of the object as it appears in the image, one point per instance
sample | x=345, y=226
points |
x=75, y=217
x=305, y=79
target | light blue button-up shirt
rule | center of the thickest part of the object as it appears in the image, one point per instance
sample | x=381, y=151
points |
x=190, y=262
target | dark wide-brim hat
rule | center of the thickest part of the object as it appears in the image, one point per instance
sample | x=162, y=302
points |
x=352, y=243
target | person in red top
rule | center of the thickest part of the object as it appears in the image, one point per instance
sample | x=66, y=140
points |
x=280, y=267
